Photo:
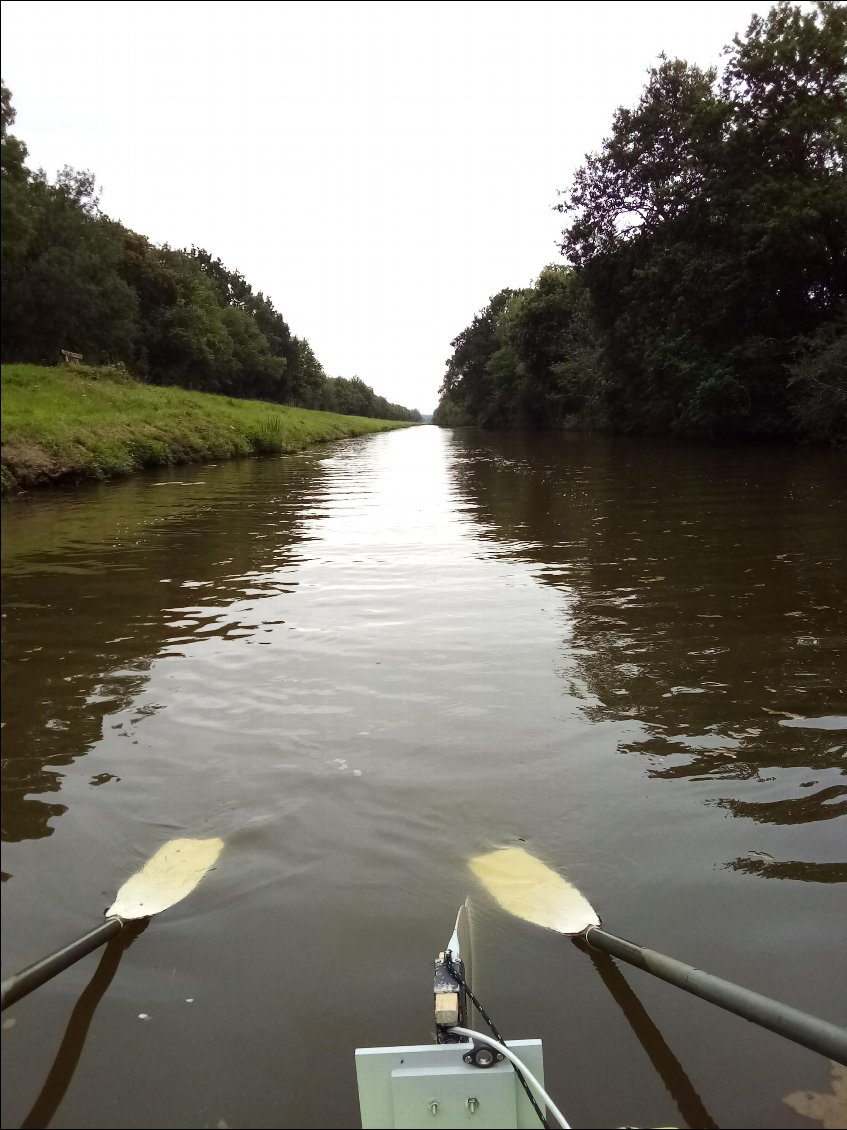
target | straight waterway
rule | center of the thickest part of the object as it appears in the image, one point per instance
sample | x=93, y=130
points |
x=363, y=665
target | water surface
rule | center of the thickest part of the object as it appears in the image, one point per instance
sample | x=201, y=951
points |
x=364, y=665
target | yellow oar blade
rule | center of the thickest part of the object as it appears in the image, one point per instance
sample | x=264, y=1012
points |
x=527, y=888
x=168, y=876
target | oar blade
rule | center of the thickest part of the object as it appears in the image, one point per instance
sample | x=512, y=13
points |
x=166, y=878
x=527, y=888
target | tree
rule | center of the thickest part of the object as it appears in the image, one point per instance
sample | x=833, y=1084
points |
x=16, y=224
x=307, y=379
x=467, y=380
x=711, y=229
x=64, y=290
x=548, y=340
x=529, y=359
x=819, y=382
x=658, y=159
x=449, y=414
x=74, y=279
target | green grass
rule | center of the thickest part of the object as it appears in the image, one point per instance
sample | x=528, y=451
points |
x=77, y=422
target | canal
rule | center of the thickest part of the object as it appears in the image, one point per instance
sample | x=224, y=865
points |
x=363, y=665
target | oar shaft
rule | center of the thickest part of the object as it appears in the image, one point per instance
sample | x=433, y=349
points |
x=819, y=1035
x=30, y=978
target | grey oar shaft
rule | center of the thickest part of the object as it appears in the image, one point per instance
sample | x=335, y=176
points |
x=30, y=978
x=819, y=1035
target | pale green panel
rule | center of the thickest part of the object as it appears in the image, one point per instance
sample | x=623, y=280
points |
x=406, y=1088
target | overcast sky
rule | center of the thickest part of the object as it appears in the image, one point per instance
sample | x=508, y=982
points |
x=378, y=169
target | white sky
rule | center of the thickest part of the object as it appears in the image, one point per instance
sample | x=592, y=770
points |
x=378, y=169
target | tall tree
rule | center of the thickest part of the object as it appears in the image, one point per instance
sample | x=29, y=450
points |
x=64, y=290
x=468, y=380
x=711, y=229
x=14, y=175
x=548, y=335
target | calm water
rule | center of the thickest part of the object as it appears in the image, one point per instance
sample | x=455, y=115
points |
x=363, y=665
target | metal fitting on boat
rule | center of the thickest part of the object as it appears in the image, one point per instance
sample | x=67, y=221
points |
x=481, y=1055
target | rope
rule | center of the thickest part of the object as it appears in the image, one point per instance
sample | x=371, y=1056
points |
x=454, y=973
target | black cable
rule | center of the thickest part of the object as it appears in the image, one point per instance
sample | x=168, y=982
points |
x=456, y=975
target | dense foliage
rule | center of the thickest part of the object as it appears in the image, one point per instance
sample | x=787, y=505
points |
x=75, y=280
x=707, y=291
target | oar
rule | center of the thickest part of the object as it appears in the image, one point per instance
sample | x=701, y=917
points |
x=166, y=878
x=527, y=888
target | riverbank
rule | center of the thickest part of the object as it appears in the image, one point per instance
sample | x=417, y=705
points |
x=74, y=423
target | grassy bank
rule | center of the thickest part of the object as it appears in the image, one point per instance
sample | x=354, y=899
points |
x=75, y=423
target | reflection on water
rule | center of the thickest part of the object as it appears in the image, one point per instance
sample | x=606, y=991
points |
x=100, y=583
x=672, y=1073
x=829, y=1108
x=361, y=667
x=73, y=1042
x=792, y=869
x=707, y=604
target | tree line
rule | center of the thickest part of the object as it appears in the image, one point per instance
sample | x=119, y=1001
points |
x=705, y=284
x=73, y=279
